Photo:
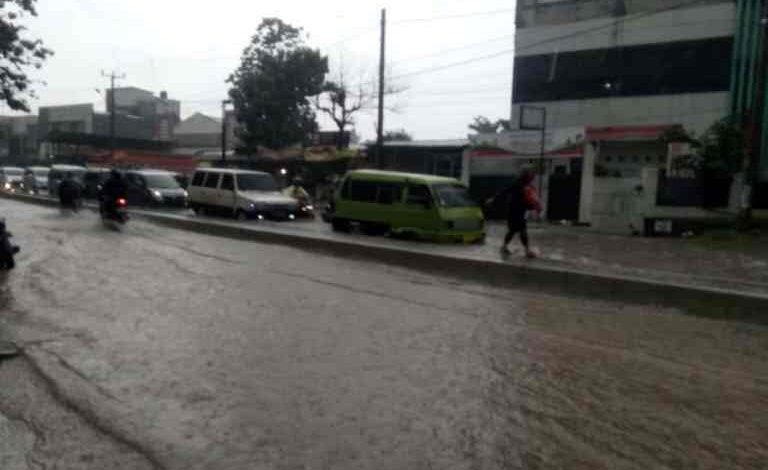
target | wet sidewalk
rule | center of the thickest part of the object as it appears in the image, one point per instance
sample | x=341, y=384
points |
x=722, y=260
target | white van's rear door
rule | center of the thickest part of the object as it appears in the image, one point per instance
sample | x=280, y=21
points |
x=225, y=195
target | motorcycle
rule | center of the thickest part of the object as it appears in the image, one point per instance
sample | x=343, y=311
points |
x=7, y=249
x=305, y=209
x=114, y=215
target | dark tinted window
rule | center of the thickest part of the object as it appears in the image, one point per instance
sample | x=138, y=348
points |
x=160, y=180
x=227, y=182
x=390, y=193
x=135, y=179
x=212, y=180
x=418, y=194
x=363, y=191
x=256, y=182
x=198, y=179
x=649, y=69
x=345, y=189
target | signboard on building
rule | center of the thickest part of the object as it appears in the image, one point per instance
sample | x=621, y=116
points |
x=529, y=142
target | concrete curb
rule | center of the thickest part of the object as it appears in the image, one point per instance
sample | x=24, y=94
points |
x=701, y=301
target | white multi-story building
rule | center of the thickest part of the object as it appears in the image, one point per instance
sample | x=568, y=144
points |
x=625, y=62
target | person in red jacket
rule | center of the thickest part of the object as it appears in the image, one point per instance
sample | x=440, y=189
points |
x=520, y=198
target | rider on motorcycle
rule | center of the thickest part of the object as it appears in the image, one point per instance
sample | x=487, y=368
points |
x=114, y=188
x=297, y=191
x=70, y=192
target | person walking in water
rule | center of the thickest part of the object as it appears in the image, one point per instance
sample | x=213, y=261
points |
x=519, y=198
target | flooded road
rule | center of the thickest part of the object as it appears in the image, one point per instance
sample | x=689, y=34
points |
x=228, y=354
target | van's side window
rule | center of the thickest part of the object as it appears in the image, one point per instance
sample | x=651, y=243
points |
x=345, y=188
x=211, y=180
x=390, y=193
x=227, y=182
x=363, y=191
x=198, y=179
x=419, y=194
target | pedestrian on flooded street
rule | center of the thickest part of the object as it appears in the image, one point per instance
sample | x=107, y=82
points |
x=520, y=198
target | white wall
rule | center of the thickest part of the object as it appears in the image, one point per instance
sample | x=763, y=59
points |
x=686, y=24
x=695, y=111
x=617, y=206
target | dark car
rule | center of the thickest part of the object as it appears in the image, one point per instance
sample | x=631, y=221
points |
x=154, y=188
x=93, y=179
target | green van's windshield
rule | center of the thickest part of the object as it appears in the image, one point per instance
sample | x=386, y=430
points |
x=453, y=195
x=255, y=182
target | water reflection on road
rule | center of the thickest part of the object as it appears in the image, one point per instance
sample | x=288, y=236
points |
x=239, y=355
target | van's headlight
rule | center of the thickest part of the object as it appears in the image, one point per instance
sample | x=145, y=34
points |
x=7, y=186
x=157, y=195
x=185, y=193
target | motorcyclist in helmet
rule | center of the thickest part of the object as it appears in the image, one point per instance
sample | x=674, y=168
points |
x=113, y=189
x=297, y=191
x=70, y=192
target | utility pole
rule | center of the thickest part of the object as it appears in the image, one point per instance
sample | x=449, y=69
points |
x=756, y=131
x=112, y=77
x=224, y=104
x=382, y=64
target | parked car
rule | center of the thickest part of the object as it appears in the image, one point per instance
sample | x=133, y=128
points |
x=58, y=172
x=155, y=188
x=411, y=205
x=92, y=181
x=240, y=193
x=35, y=179
x=11, y=178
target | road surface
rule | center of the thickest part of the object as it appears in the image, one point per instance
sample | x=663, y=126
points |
x=214, y=353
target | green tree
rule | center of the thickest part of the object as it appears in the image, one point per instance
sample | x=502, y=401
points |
x=719, y=151
x=18, y=53
x=483, y=125
x=399, y=135
x=271, y=89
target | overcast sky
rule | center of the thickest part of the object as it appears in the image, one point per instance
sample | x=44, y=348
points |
x=188, y=48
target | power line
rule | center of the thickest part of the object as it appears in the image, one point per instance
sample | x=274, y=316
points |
x=456, y=16
x=454, y=49
x=543, y=42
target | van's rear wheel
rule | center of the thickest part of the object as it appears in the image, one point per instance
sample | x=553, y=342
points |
x=341, y=225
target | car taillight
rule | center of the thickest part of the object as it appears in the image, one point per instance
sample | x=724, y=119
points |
x=122, y=202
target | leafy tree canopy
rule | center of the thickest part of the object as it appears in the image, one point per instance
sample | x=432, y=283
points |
x=720, y=150
x=399, y=135
x=278, y=74
x=18, y=53
x=483, y=125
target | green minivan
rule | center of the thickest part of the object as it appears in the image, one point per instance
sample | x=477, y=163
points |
x=408, y=205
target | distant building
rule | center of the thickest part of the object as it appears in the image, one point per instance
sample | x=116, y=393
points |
x=160, y=115
x=432, y=157
x=18, y=139
x=200, y=134
x=619, y=62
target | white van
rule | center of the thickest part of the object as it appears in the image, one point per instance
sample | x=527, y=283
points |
x=239, y=193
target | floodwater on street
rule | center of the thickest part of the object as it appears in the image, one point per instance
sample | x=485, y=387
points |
x=239, y=355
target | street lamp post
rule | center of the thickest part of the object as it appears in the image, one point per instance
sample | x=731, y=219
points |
x=224, y=104
x=535, y=118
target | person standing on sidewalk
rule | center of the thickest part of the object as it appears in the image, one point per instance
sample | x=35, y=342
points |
x=519, y=198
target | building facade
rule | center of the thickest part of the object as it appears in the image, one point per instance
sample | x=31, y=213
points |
x=159, y=114
x=18, y=139
x=621, y=62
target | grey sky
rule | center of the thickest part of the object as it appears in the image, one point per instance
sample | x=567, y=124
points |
x=189, y=48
